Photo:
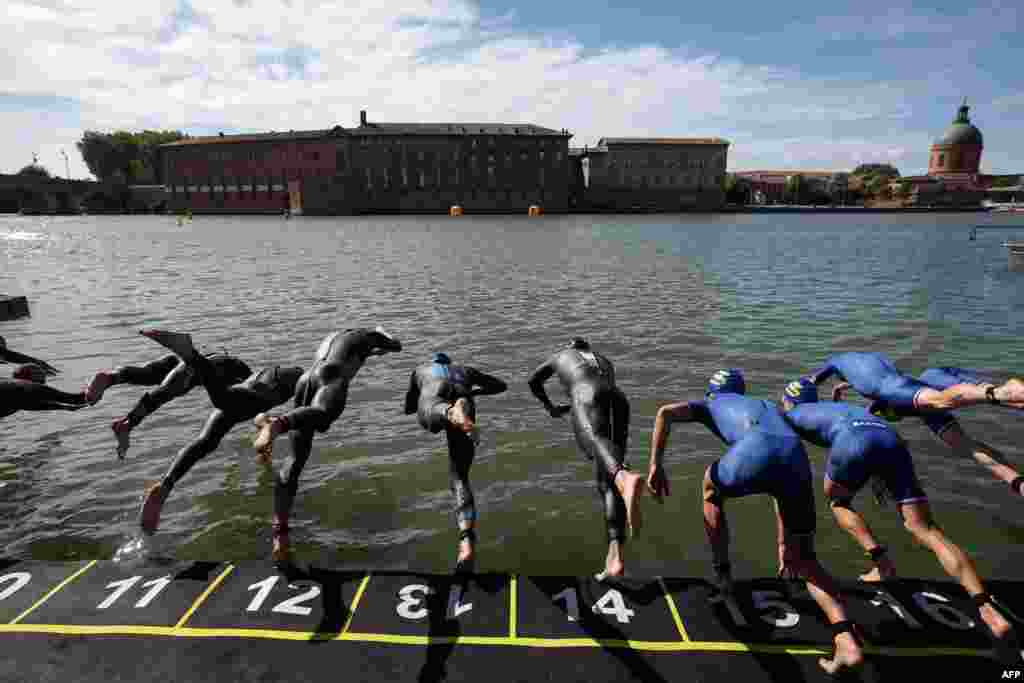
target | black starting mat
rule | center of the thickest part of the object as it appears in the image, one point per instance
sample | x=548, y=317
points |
x=197, y=621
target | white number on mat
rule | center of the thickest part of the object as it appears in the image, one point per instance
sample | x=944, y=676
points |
x=18, y=581
x=612, y=603
x=124, y=585
x=410, y=600
x=768, y=600
x=936, y=606
x=572, y=606
x=292, y=605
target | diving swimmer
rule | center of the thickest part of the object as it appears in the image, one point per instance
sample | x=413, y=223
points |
x=172, y=376
x=441, y=395
x=765, y=456
x=320, y=398
x=234, y=402
x=8, y=356
x=896, y=395
x=600, y=420
x=27, y=390
x=873, y=375
x=863, y=447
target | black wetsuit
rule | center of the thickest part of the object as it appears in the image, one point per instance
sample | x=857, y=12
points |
x=319, y=400
x=600, y=420
x=8, y=356
x=234, y=403
x=19, y=394
x=433, y=388
x=175, y=378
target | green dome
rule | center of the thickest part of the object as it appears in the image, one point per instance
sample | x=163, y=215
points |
x=962, y=132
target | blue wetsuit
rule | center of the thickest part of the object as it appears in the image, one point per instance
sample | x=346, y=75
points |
x=861, y=446
x=765, y=456
x=873, y=375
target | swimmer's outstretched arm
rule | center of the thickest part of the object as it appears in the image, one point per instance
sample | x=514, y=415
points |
x=485, y=385
x=541, y=375
x=826, y=371
x=657, y=479
x=8, y=356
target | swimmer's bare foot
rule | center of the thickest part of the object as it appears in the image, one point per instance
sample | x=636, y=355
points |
x=995, y=621
x=846, y=655
x=458, y=415
x=612, y=569
x=631, y=486
x=122, y=432
x=884, y=570
x=1011, y=394
x=102, y=381
x=281, y=552
x=179, y=343
x=152, y=504
x=264, y=441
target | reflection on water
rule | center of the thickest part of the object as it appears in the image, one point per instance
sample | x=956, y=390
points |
x=669, y=299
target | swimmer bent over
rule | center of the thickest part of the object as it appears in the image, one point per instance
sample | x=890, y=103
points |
x=234, y=403
x=600, y=420
x=441, y=395
x=765, y=456
x=320, y=398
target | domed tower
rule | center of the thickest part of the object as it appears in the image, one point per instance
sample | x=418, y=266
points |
x=959, y=149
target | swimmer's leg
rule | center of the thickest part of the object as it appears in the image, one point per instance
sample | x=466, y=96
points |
x=326, y=405
x=630, y=486
x=215, y=429
x=716, y=528
x=615, y=518
x=917, y=518
x=147, y=375
x=177, y=382
x=286, y=485
x=988, y=457
x=461, y=451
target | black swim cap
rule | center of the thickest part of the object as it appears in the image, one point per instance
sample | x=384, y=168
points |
x=442, y=358
x=579, y=343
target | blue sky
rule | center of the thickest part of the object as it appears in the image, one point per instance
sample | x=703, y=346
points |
x=790, y=85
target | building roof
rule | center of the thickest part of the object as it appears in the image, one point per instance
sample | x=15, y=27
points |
x=375, y=128
x=661, y=141
x=961, y=132
x=812, y=174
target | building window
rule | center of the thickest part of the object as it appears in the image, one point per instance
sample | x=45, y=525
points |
x=522, y=155
x=542, y=155
x=405, y=176
x=423, y=180
x=369, y=179
x=558, y=155
x=657, y=180
x=419, y=156
x=474, y=143
x=540, y=175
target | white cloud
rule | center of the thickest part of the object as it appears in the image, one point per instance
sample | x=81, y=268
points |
x=278, y=65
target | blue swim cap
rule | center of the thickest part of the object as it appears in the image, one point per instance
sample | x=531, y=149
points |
x=800, y=391
x=727, y=382
x=442, y=358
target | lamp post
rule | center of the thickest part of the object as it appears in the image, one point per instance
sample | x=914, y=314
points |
x=67, y=165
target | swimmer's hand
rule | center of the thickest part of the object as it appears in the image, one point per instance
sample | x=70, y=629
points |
x=558, y=411
x=837, y=390
x=657, y=483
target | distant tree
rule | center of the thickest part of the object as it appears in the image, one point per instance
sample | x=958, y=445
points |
x=1006, y=182
x=123, y=156
x=34, y=171
x=887, y=170
x=737, y=189
x=796, y=188
x=904, y=190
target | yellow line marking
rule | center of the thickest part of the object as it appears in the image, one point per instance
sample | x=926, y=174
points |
x=675, y=613
x=643, y=645
x=355, y=603
x=206, y=593
x=512, y=606
x=54, y=590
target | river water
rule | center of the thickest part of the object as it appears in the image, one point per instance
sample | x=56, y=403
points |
x=669, y=299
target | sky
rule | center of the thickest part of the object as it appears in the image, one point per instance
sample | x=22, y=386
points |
x=793, y=85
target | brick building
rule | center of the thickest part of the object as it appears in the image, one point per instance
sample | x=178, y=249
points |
x=768, y=187
x=659, y=174
x=375, y=167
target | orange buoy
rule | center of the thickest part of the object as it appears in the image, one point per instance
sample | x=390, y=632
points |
x=456, y=210
x=535, y=210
